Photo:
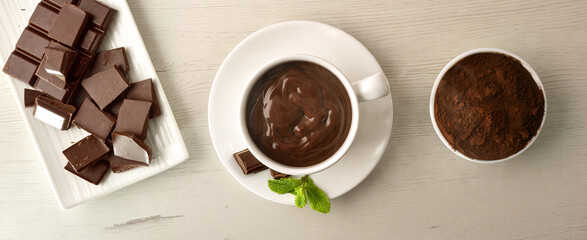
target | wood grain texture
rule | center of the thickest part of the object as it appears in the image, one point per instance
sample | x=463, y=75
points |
x=420, y=190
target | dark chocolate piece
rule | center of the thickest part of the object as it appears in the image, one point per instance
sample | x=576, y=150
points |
x=145, y=91
x=79, y=98
x=59, y=62
x=60, y=3
x=119, y=164
x=248, y=162
x=106, y=59
x=133, y=117
x=100, y=13
x=43, y=17
x=32, y=43
x=91, y=119
x=20, y=67
x=90, y=40
x=69, y=25
x=93, y=174
x=278, y=175
x=43, y=74
x=130, y=147
x=86, y=152
x=30, y=96
x=104, y=87
x=53, y=112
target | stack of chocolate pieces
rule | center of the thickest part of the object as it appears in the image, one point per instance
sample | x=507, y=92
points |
x=118, y=135
x=57, y=55
x=249, y=164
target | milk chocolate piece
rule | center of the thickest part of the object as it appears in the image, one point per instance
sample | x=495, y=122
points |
x=93, y=174
x=106, y=59
x=69, y=25
x=43, y=17
x=30, y=96
x=20, y=67
x=133, y=117
x=53, y=112
x=119, y=164
x=101, y=14
x=104, y=87
x=145, y=91
x=130, y=147
x=278, y=175
x=248, y=162
x=59, y=62
x=91, y=119
x=86, y=152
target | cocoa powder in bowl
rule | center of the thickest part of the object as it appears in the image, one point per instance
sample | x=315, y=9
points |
x=488, y=107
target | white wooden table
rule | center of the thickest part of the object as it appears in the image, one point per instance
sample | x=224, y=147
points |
x=419, y=190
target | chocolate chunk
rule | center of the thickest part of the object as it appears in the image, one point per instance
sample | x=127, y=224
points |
x=43, y=74
x=145, y=91
x=278, y=175
x=107, y=59
x=100, y=13
x=119, y=164
x=90, y=40
x=79, y=98
x=53, y=112
x=59, y=62
x=91, y=119
x=133, y=117
x=30, y=96
x=62, y=95
x=86, y=152
x=93, y=174
x=43, y=17
x=60, y=3
x=69, y=25
x=104, y=87
x=32, y=43
x=20, y=67
x=248, y=162
x=114, y=107
x=128, y=146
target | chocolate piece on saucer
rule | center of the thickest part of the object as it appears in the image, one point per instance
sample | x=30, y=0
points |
x=86, y=152
x=53, y=112
x=248, y=162
x=105, y=59
x=119, y=164
x=59, y=62
x=30, y=95
x=93, y=174
x=145, y=91
x=91, y=119
x=130, y=147
x=133, y=117
x=278, y=175
x=104, y=87
x=69, y=25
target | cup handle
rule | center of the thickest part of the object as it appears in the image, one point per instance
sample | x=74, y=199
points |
x=371, y=88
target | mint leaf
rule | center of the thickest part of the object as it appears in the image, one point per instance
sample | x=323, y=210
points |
x=284, y=185
x=301, y=198
x=317, y=198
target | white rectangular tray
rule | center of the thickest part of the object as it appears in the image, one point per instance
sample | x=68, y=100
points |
x=164, y=136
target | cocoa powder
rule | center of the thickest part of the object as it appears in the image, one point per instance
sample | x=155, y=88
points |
x=488, y=107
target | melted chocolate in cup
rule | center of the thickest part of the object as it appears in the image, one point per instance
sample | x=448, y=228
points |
x=298, y=114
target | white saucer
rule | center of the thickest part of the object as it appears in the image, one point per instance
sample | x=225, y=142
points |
x=299, y=37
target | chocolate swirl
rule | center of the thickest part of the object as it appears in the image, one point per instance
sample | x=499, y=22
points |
x=298, y=114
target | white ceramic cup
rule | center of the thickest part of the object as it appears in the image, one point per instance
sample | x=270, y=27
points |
x=450, y=65
x=367, y=89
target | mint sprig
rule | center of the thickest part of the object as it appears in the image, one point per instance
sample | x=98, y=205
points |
x=305, y=191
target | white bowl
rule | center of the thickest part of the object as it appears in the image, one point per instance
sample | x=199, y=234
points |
x=450, y=65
